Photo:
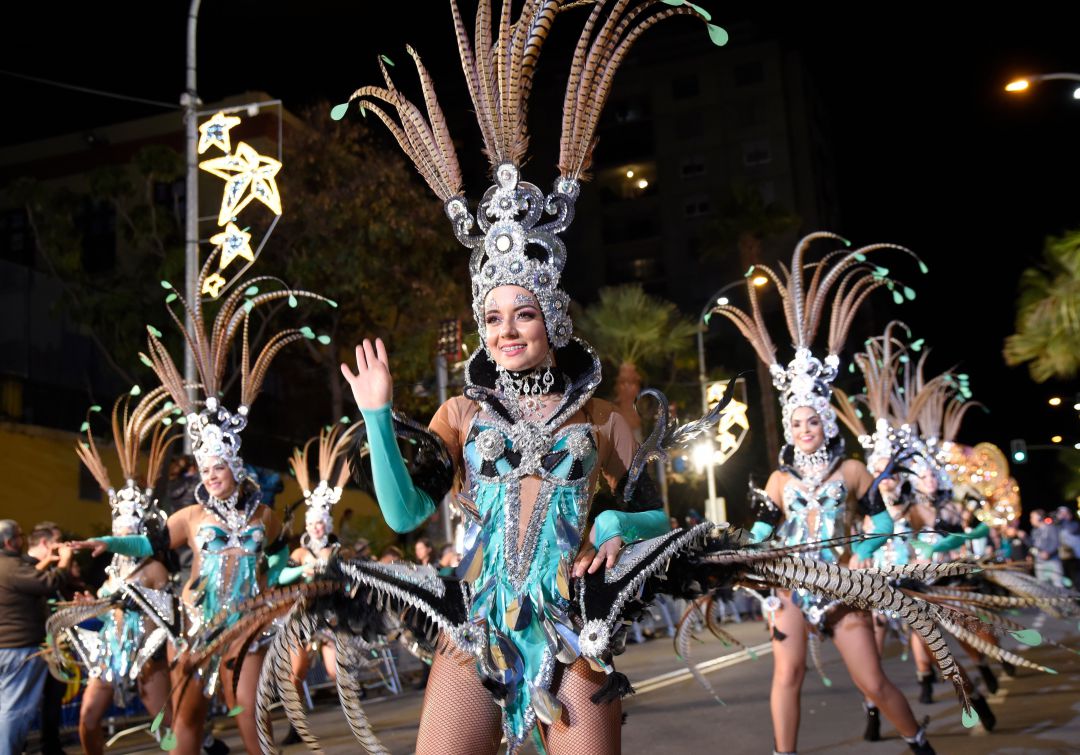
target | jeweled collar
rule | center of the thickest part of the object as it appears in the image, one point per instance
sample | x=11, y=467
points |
x=835, y=450
x=236, y=511
x=577, y=361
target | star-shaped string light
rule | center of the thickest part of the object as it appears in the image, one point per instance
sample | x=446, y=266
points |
x=215, y=132
x=212, y=285
x=248, y=175
x=234, y=243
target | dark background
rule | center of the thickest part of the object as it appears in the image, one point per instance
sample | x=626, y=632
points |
x=930, y=152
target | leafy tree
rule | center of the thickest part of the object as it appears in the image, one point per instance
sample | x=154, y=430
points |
x=632, y=330
x=361, y=228
x=1047, y=333
x=109, y=243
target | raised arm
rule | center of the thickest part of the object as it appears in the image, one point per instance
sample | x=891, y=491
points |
x=404, y=505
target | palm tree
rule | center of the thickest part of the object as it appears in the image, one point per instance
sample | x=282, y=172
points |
x=746, y=221
x=631, y=330
x=1047, y=333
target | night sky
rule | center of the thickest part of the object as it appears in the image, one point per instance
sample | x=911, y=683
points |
x=931, y=153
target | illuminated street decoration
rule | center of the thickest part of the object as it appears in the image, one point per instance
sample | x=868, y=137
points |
x=248, y=175
x=212, y=285
x=733, y=425
x=215, y=132
x=234, y=243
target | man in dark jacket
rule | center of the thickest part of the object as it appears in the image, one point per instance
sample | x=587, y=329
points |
x=24, y=590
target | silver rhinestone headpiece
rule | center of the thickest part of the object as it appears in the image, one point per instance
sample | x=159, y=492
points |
x=215, y=432
x=130, y=506
x=513, y=250
x=807, y=381
x=320, y=503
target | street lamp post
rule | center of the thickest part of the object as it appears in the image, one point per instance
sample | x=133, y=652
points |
x=190, y=101
x=715, y=510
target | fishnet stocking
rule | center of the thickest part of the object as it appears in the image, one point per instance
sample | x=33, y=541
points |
x=584, y=726
x=459, y=717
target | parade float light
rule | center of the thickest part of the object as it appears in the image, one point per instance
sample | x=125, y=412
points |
x=1054, y=401
x=1056, y=439
x=759, y=280
x=1018, y=85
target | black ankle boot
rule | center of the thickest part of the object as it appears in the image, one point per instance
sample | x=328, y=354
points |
x=919, y=743
x=986, y=716
x=988, y=676
x=926, y=688
x=873, y=724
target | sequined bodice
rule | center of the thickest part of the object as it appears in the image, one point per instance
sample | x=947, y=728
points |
x=496, y=454
x=215, y=538
x=816, y=515
x=521, y=580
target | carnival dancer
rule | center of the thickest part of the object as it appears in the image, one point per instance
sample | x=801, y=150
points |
x=810, y=497
x=896, y=395
x=229, y=532
x=317, y=543
x=136, y=603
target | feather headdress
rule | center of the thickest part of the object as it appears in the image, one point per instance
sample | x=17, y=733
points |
x=132, y=505
x=513, y=246
x=215, y=430
x=333, y=469
x=840, y=282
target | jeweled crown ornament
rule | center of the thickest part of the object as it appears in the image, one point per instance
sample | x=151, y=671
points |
x=514, y=234
x=840, y=282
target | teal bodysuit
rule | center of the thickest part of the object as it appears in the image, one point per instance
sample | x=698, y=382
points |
x=520, y=594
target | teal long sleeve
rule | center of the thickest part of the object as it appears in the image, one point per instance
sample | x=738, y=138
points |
x=403, y=505
x=952, y=542
x=137, y=546
x=631, y=527
x=760, y=532
x=882, y=524
x=289, y=574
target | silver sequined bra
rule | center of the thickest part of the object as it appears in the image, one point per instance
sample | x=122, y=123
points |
x=814, y=516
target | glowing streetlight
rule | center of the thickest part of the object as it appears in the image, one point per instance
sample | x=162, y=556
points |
x=642, y=184
x=1054, y=401
x=759, y=280
x=1024, y=83
x=723, y=301
x=1056, y=439
x=629, y=174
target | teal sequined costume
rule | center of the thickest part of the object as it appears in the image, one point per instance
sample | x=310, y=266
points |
x=519, y=572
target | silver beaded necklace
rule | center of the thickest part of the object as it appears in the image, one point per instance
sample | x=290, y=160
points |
x=812, y=467
x=531, y=389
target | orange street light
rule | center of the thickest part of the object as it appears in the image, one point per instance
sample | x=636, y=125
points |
x=1024, y=83
x=759, y=280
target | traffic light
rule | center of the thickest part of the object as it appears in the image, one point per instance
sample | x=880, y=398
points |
x=1018, y=450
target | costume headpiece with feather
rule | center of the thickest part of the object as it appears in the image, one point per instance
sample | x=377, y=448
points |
x=333, y=470
x=214, y=430
x=841, y=281
x=134, y=510
x=514, y=236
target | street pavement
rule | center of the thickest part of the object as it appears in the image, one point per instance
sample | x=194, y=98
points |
x=671, y=713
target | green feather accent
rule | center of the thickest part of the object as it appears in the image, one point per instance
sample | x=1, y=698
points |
x=969, y=718
x=145, y=360
x=324, y=340
x=307, y=332
x=135, y=390
x=171, y=298
x=1030, y=637
x=168, y=742
x=251, y=291
x=717, y=35
x=387, y=60
x=84, y=427
x=166, y=284
x=157, y=721
x=292, y=301
x=156, y=333
x=236, y=711
x=338, y=111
